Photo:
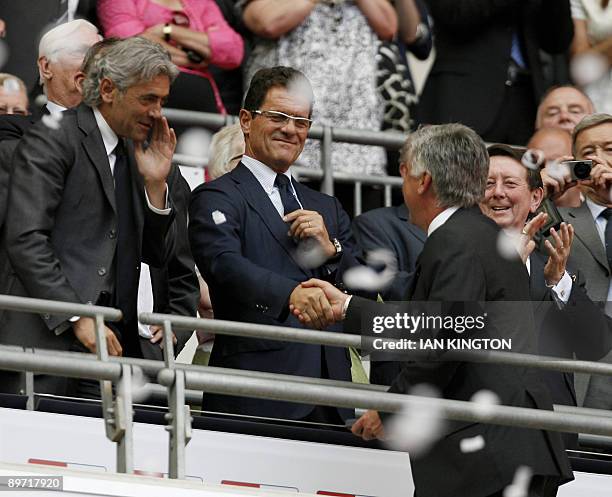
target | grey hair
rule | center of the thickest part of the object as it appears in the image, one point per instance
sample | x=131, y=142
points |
x=587, y=122
x=455, y=157
x=126, y=63
x=226, y=144
x=64, y=40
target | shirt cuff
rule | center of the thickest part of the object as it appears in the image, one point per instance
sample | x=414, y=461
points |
x=163, y=212
x=561, y=291
x=345, y=306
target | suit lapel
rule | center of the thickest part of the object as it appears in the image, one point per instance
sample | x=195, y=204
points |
x=257, y=198
x=94, y=147
x=585, y=229
x=537, y=287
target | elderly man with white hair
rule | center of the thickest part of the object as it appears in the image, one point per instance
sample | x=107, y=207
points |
x=60, y=55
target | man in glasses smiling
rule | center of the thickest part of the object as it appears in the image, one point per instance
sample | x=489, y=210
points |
x=256, y=234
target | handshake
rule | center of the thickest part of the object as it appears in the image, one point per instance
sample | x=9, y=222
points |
x=317, y=303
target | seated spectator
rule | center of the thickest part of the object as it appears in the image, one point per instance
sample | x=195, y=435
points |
x=334, y=44
x=563, y=107
x=556, y=145
x=225, y=150
x=13, y=95
x=60, y=55
x=193, y=31
x=593, y=36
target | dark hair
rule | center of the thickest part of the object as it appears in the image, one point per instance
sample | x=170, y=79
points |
x=534, y=178
x=279, y=76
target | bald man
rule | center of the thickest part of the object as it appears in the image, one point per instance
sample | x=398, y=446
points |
x=563, y=107
x=556, y=144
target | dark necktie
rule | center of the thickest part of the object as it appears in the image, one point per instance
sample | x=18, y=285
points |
x=290, y=203
x=606, y=214
x=126, y=256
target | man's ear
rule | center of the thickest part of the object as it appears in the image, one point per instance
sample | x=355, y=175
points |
x=537, y=196
x=108, y=90
x=424, y=183
x=245, y=118
x=79, y=77
x=44, y=71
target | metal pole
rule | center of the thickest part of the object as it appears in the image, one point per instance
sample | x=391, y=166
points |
x=391, y=402
x=388, y=196
x=124, y=421
x=38, y=306
x=357, y=208
x=327, y=186
x=168, y=344
x=179, y=423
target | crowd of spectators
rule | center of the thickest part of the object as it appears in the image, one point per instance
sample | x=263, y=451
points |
x=253, y=244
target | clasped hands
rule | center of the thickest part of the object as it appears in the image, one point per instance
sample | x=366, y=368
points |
x=317, y=303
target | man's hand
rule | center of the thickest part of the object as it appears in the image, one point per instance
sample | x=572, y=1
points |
x=313, y=305
x=2, y=28
x=310, y=224
x=526, y=245
x=155, y=162
x=559, y=253
x=85, y=331
x=556, y=183
x=335, y=297
x=158, y=334
x=369, y=426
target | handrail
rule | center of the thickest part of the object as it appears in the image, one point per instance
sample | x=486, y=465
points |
x=336, y=339
x=27, y=304
x=458, y=410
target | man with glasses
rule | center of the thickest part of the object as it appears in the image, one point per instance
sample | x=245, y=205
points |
x=256, y=234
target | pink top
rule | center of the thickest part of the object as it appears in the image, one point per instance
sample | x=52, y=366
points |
x=124, y=18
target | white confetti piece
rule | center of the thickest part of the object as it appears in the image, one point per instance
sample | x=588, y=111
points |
x=218, y=217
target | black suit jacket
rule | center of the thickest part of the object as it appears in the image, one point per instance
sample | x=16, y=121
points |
x=473, y=41
x=460, y=263
x=59, y=238
x=242, y=249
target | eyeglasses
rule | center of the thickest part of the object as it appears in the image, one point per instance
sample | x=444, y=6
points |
x=281, y=119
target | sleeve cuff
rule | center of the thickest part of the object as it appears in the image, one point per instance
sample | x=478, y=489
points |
x=162, y=212
x=562, y=290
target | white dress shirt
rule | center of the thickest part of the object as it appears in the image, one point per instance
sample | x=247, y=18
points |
x=266, y=178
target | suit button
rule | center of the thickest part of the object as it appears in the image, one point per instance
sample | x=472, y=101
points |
x=101, y=271
x=46, y=317
x=112, y=234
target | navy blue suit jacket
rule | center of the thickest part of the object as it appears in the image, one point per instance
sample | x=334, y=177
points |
x=242, y=248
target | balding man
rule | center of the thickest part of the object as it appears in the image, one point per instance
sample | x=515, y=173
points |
x=563, y=107
x=60, y=56
x=556, y=145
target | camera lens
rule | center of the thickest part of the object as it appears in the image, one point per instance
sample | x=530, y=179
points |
x=582, y=170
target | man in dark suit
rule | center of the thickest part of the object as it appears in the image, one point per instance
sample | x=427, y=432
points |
x=88, y=202
x=592, y=139
x=256, y=233
x=570, y=324
x=487, y=73
x=446, y=173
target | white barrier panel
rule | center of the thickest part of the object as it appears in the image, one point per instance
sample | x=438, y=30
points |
x=212, y=457
x=288, y=466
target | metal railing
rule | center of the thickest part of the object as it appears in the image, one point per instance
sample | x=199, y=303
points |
x=326, y=135
x=177, y=378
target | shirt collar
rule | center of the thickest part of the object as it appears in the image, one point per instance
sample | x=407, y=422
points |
x=264, y=174
x=440, y=219
x=109, y=137
x=53, y=107
x=595, y=208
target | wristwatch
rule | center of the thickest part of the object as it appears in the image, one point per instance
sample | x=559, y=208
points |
x=167, y=31
x=338, y=248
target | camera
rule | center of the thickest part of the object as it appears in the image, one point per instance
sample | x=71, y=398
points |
x=579, y=169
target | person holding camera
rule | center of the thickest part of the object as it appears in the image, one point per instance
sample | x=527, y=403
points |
x=592, y=250
x=194, y=32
